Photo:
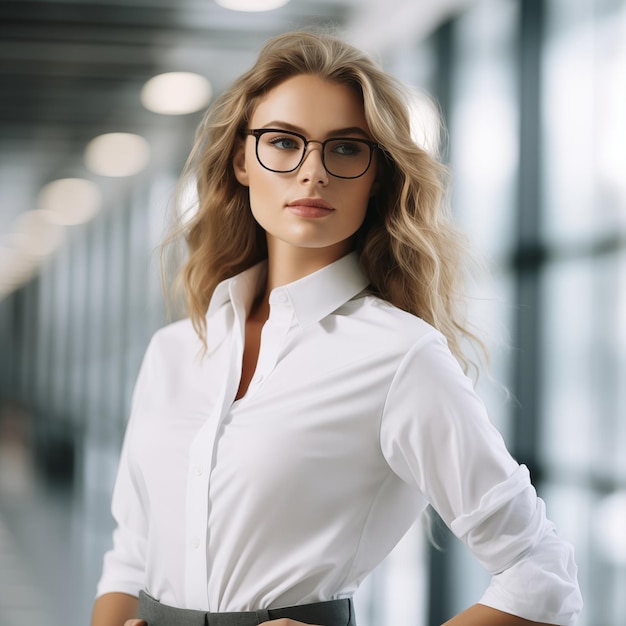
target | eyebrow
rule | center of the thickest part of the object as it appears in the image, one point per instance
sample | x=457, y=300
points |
x=339, y=132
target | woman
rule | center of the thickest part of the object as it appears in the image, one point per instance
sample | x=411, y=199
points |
x=285, y=437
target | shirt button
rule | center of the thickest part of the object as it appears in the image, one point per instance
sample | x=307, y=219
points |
x=196, y=542
x=199, y=470
x=281, y=297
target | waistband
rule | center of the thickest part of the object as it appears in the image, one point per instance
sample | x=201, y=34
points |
x=328, y=613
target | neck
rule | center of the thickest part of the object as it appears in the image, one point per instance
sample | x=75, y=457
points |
x=286, y=264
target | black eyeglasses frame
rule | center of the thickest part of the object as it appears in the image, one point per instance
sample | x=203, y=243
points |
x=258, y=132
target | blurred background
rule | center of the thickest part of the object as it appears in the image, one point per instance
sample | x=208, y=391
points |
x=533, y=93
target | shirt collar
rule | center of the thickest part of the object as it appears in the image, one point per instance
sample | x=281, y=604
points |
x=241, y=288
x=312, y=298
x=317, y=295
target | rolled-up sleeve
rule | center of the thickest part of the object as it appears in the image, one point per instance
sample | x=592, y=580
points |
x=124, y=565
x=436, y=435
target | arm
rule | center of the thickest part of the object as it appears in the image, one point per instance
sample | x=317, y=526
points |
x=436, y=435
x=114, y=609
x=123, y=566
x=477, y=615
x=481, y=615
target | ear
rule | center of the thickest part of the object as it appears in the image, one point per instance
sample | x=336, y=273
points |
x=239, y=164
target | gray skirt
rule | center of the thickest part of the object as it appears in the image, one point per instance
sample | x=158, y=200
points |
x=330, y=613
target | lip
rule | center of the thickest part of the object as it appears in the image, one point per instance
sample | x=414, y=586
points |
x=310, y=207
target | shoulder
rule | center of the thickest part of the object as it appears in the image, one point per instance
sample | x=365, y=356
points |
x=175, y=334
x=172, y=356
x=172, y=344
x=421, y=350
x=389, y=323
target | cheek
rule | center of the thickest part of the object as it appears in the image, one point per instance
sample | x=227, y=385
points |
x=262, y=187
x=258, y=180
x=361, y=197
x=361, y=201
x=264, y=196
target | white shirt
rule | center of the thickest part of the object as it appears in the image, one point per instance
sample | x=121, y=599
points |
x=357, y=416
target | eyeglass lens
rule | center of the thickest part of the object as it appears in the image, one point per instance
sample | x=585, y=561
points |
x=283, y=152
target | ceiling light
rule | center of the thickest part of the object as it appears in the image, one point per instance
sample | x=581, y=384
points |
x=117, y=154
x=251, y=5
x=70, y=201
x=176, y=93
x=37, y=234
x=16, y=268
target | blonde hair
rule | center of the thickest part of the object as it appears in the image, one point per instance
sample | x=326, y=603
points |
x=409, y=250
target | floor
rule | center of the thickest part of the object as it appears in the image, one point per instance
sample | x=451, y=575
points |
x=41, y=575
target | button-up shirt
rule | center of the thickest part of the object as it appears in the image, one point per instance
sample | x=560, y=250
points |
x=356, y=418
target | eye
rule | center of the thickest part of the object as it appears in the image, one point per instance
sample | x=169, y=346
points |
x=346, y=148
x=284, y=142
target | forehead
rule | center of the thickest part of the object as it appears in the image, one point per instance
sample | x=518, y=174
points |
x=314, y=104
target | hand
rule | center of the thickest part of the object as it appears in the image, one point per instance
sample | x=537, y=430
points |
x=135, y=622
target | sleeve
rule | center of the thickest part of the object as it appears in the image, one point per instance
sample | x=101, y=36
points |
x=436, y=435
x=124, y=565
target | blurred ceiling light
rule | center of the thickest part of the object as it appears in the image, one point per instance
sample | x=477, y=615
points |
x=16, y=268
x=251, y=5
x=176, y=93
x=37, y=234
x=117, y=154
x=70, y=201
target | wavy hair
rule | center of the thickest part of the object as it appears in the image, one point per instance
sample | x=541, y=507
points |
x=409, y=249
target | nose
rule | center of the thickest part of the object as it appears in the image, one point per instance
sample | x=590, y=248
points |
x=312, y=167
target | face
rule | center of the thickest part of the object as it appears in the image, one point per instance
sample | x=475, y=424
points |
x=307, y=209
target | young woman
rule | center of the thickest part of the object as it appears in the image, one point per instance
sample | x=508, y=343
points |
x=285, y=437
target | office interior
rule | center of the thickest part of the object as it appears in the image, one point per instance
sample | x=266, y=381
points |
x=532, y=94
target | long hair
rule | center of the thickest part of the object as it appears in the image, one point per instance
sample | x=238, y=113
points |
x=410, y=251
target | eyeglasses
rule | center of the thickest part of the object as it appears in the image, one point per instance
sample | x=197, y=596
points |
x=283, y=151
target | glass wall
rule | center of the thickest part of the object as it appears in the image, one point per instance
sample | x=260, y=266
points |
x=583, y=290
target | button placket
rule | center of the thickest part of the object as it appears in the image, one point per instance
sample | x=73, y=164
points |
x=273, y=336
x=201, y=455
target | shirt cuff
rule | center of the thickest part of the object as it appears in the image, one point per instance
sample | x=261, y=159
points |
x=541, y=587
